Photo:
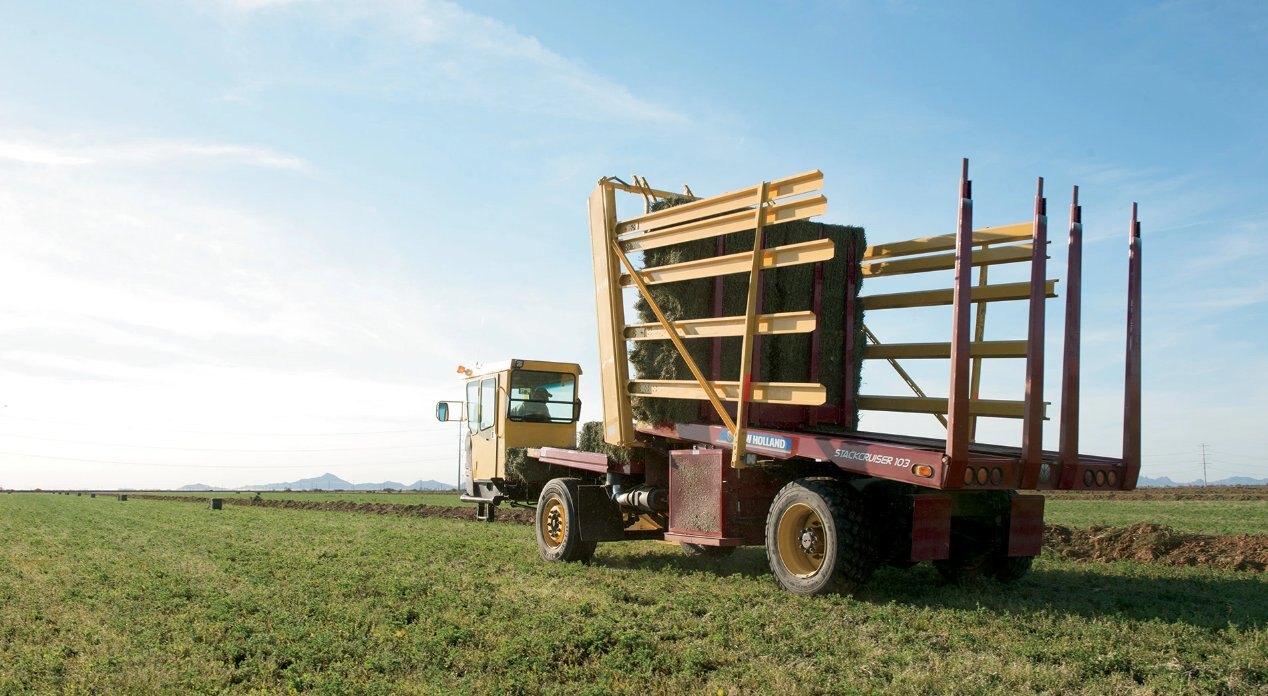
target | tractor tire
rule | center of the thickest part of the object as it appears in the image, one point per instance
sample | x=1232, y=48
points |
x=1010, y=569
x=700, y=550
x=817, y=538
x=558, y=534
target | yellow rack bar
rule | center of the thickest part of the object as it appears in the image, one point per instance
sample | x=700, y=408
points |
x=774, y=257
x=914, y=351
x=795, y=393
x=725, y=203
x=934, y=298
x=988, y=408
x=739, y=221
x=767, y=324
x=1015, y=253
x=946, y=242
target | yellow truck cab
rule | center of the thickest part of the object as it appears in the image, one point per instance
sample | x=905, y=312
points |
x=511, y=404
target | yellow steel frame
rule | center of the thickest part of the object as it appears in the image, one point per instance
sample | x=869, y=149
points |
x=753, y=208
x=746, y=209
x=993, y=245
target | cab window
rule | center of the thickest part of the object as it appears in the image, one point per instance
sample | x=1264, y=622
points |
x=488, y=402
x=473, y=405
x=542, y=397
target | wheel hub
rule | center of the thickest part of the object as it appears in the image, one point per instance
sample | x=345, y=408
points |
x=810, y=541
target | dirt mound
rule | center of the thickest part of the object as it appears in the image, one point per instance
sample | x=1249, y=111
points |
x=1178, y=493
x=511, y=515
x=1154, y=543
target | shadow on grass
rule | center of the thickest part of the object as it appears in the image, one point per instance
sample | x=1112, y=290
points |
x=1142, y=594
x=1134, y=591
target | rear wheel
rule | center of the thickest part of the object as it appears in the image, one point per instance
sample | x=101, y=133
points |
x=1009, y=569
x=558, y=535
x=979, y=545
x=817, y=539
x=707, y=551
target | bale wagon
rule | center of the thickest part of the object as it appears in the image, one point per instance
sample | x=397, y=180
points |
x=741, y=460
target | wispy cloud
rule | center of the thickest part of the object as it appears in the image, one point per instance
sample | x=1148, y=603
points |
x=438, y=49
x=76, y=153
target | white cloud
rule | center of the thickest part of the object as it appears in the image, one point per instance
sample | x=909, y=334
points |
x=141, y=306
x=26, y=150
x=440, y=50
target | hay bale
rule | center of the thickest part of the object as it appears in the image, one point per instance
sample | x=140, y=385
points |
x=784, y=358
x=523, y=468
x=123, y=497
x=217, y=503
x=590, y=439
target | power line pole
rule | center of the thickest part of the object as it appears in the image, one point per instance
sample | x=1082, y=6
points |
x=1204, y=465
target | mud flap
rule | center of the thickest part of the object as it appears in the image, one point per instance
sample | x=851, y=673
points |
x=1025, y=526
x=598, y=516
x=930, y=527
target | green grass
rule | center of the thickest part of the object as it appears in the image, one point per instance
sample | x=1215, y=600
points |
x=1203, y=516
x=98, y=595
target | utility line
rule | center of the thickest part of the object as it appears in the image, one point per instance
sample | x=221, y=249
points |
x=429, y=429
x=215, y=449
x=419, y=460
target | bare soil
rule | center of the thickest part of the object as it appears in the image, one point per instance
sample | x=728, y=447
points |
x=1154, y=543
x=1185, y=493
x=1144, y=543
x=504, y=514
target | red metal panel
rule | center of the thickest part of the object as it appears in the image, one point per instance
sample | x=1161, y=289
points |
x=855, y=455
x=1025, y=526
x=958, y=418
x=1069, y=442
x=930, y=527
x=1131, y=397
x=696, y=493
x=586, y=461
x=1032, y=422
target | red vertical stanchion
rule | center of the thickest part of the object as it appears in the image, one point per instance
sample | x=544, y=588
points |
x=1069, y=442
x=849, y=351
x=811, y=413
x=715, y=356
x=1032, y=419
x=957, y=454
x=1131, y=395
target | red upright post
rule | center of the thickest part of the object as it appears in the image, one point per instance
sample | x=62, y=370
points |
x=1032, y=419
x=1131, y=395
x=957, y=454
x=1070, y=366
x=849, y=351
x=715, y=355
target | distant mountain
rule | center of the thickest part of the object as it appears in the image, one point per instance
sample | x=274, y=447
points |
x=1165, y=482
x=329, y=482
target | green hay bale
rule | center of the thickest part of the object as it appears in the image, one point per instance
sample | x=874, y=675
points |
x=590, y=439
x=784, y=358
x=521, y=467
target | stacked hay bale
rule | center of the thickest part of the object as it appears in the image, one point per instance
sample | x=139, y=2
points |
x=784, y=358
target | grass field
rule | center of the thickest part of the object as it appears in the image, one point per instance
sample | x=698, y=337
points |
x=102, y=596
x=1202, y=516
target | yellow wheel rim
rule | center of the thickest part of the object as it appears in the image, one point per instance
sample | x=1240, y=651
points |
x=800, y=540
x=554, y=523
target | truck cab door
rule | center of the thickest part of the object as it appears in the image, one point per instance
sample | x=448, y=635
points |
x=482, y=418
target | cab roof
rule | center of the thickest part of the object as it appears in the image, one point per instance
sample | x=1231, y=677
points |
x=521, y=364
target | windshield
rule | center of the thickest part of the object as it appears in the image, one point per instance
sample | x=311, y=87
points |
x=542, y=397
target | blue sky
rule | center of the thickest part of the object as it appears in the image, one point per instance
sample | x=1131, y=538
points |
x=249, y=240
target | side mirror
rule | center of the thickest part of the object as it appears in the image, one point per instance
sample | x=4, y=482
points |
x=576, y=410
x=443, y=412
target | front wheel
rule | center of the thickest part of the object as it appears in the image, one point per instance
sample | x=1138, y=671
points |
x=817, y=538
x=558, y=536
